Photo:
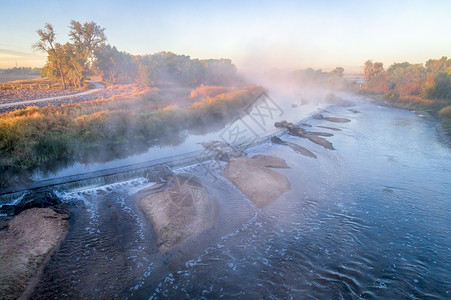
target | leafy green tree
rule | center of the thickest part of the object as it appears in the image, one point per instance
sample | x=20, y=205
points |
x=442, y=86
x=145, y=75
x=219, y=71
x=438, y=65
x=115, y=66
x=371, y=70
x=407, y=79
x=376, y=78
x=71, y=62
x=86, y=38
x=337, y=72
x=165, y=68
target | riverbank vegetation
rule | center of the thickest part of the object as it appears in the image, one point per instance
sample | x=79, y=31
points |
x=425, y=88
x=103, y=128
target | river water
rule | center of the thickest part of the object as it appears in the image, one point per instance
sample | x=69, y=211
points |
x=371, y=219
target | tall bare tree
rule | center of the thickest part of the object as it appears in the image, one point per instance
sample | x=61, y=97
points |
x=46, y=44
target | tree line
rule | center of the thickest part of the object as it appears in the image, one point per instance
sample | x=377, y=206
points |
x=423, y=87
x=429, y=81
x=88, y=54
x=21, y=71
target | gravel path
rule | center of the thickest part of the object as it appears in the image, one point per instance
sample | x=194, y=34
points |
x=98, y=87
x=94, y=94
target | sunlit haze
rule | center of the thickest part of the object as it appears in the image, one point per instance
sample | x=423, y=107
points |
x=255, y=34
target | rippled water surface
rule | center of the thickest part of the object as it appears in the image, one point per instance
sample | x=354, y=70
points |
x=371, y=219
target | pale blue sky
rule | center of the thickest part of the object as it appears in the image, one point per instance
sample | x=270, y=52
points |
x=254, y=34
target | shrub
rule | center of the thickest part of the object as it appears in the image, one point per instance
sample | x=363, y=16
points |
x=208, y=91
x=445, y=112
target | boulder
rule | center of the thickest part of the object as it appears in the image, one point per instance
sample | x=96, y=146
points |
x=159, y=173
x=331, y=128
x=300, y=132
x=40, y=199
x=181, y=210
x=222, y=151
x=278, y=141
x=297, y=148
x=318, y=117
x=256, y=180
x=337, y=120
x=319, y=133
x=320, y=141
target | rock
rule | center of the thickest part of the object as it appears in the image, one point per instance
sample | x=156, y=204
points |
x=301, y=150
x=354, y=111
x=159, y=173
x=25, y=245
x=277, y=140
x=331, y=128
x=337, y=120
x=40, y=199
x=320, y=141
x=256, y=180
x=322, y=133
x=300, y=132
x=223, y=151
x=297, y=148
x=318, y=117
x=180, y=211
x=281, y=124
x=294, y=105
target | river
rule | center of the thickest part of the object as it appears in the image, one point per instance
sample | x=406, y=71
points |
x=371, y=219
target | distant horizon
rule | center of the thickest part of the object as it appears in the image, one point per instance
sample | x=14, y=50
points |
x=255, y=35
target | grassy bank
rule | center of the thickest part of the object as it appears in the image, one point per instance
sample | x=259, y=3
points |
x=35, y=136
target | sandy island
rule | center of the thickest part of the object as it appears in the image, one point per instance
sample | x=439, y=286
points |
x=256, y=180
x=26, y=243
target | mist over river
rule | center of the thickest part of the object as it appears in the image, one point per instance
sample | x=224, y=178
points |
x=371, y=219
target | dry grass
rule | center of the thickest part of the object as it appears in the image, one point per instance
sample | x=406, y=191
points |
x=415, y=100
x=33, y=136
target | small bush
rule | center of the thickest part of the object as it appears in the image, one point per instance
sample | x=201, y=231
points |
x=208, y=91
x=445, y=112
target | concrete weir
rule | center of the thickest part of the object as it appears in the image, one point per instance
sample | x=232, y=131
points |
x=150, y=169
